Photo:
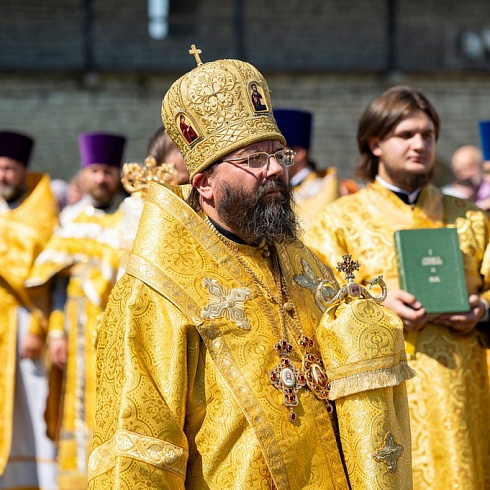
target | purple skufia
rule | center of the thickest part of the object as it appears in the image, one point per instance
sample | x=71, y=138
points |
x=485, y=138
x=295, y=126
x=17, y=146
x=101, y=148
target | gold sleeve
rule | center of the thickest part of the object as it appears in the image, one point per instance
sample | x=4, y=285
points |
x=143, y=393
x=363, y=350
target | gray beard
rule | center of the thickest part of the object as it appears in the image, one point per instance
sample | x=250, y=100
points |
x=260, y=216
x=10, y=193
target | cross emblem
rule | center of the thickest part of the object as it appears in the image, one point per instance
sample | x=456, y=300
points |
x=389, y=453
x=348, y=266
x=226, y=303
x=196, y=52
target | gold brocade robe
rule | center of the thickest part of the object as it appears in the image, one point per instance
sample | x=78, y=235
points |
x=25, y=230
x=86, y=250
x=449, y=397
x=184, y=352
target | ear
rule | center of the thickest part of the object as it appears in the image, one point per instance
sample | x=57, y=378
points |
x=203, y=184
x=374, y=147
x=300, y=153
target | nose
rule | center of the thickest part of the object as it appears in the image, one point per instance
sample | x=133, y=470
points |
x=273, y=169
x=418, y=141
x=99, y=177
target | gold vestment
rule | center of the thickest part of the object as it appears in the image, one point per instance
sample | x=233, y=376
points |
x=449, y=397
x=314, y=192
x=185, y=347
x=25, y=230
x=86, y=250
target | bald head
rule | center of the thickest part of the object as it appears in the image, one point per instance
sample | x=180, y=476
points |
x=466, y=163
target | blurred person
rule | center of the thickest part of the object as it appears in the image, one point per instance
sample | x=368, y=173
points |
x=164, y=164
x=209, y=366
x=313, y=189
x=466, y=164
x=74, y=191
x=80, y=264
x=28, y=216
x=464, y=189
x=59, y=188
x=449, y=397
x=163, y=150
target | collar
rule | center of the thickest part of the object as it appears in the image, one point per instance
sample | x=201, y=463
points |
x=300, y=176
x=226, y=233
x=405, y=196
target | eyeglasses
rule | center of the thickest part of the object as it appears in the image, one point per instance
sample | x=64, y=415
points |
x=285, y=158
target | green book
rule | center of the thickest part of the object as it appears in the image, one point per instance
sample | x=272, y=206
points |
x=430, y=266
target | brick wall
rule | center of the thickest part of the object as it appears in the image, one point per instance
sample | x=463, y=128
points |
x=55, y=109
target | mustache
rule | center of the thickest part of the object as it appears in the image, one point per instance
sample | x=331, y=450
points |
x=273, y=185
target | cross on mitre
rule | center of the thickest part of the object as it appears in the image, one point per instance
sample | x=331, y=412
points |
x=196, y=52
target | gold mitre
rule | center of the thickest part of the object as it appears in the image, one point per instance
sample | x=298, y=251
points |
x=217, y=108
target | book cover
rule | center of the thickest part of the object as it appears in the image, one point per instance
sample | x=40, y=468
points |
x=430, y=266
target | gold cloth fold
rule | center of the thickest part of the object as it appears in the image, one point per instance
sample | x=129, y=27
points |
x=449, y=397
x=25, y=230
x=183, y=395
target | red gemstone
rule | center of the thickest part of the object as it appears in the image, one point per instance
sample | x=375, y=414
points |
x=292, y=416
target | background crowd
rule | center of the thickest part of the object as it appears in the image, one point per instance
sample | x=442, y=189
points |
x=66, y=244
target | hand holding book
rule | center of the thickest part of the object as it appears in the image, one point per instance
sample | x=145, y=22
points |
x=431, y=268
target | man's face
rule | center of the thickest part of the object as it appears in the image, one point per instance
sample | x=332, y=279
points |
x=407, y=154
x=467, y=168
x=254, y=203
x=12, y=178
x=101, y=182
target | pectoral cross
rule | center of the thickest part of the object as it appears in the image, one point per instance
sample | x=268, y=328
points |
x=196, y=52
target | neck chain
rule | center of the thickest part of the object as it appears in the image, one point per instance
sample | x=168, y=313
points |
x=285, y=376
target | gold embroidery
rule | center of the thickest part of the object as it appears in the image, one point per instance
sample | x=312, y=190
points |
x=227, y=303
x=389, y=453
x=126, y=444
x=323, y=290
